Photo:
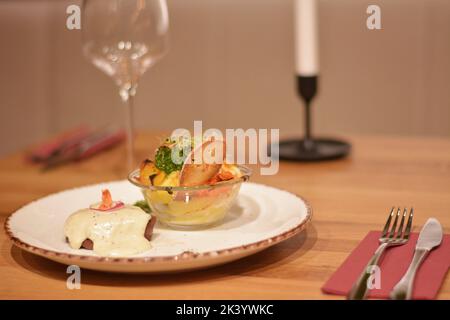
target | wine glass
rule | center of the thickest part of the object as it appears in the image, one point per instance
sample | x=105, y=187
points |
x=124, y=38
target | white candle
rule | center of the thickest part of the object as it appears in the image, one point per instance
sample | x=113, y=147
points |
x=306, y=46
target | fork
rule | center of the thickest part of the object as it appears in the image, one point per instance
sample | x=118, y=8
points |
x=390, y=236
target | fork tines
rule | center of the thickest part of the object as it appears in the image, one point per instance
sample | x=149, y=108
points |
x=400, y=232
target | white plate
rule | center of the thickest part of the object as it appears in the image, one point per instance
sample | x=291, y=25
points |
x=261, y=217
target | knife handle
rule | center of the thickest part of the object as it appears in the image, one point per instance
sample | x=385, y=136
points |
x=404, y=288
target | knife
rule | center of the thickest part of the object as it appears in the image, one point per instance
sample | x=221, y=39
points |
x=430, y=236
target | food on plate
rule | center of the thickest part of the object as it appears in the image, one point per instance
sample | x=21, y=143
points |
x=164, y=171
x=143, y=205
x=194, y=188
x=110, y=228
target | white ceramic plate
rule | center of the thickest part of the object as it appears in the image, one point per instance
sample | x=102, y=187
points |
x=261, y=217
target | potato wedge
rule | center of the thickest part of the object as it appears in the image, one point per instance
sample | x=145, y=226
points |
x=147, y=171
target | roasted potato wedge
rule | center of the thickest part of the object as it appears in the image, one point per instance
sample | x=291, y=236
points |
x=147, y=171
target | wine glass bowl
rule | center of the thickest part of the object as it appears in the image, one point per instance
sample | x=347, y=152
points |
x=124, y=38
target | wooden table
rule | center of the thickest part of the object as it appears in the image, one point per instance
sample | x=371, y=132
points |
x=349, y=198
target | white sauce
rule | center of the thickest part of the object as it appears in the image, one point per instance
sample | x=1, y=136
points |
x=115, y=233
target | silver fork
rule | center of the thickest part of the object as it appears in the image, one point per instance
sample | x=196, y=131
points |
x=391, y=236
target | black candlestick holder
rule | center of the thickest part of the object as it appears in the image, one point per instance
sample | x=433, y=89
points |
x=310, y=148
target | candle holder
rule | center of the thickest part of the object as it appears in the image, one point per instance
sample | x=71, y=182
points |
x=307, y=67
x=310, y=148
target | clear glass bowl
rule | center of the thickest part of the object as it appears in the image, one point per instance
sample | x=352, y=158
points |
x=191, y=207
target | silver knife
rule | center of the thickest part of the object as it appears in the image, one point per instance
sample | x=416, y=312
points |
x=430, y=236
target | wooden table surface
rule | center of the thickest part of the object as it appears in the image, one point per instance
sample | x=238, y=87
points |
x=349, y=197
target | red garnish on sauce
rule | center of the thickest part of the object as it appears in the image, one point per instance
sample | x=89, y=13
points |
x=106, y=200
x=107, y=204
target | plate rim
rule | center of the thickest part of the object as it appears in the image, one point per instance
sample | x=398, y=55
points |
x=181, y=257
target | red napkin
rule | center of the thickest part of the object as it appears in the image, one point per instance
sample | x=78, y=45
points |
x=394, y=264
x=46, y=149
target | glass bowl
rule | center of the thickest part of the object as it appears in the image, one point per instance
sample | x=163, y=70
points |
x=191, y=207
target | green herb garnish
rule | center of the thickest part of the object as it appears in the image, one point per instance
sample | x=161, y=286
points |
x=163, y=159
x=143, y=205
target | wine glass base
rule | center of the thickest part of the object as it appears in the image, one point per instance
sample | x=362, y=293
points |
x=318, y=150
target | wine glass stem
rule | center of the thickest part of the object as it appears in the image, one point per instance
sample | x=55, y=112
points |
x=128, y=100
x=130, y=133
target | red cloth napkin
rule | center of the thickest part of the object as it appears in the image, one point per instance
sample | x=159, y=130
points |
x=46, y=149
x=394, y=264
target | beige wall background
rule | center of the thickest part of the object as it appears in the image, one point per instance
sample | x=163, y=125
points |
x=231, y=65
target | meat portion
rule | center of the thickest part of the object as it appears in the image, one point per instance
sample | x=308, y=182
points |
x=89, y=245
x=149, y=228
